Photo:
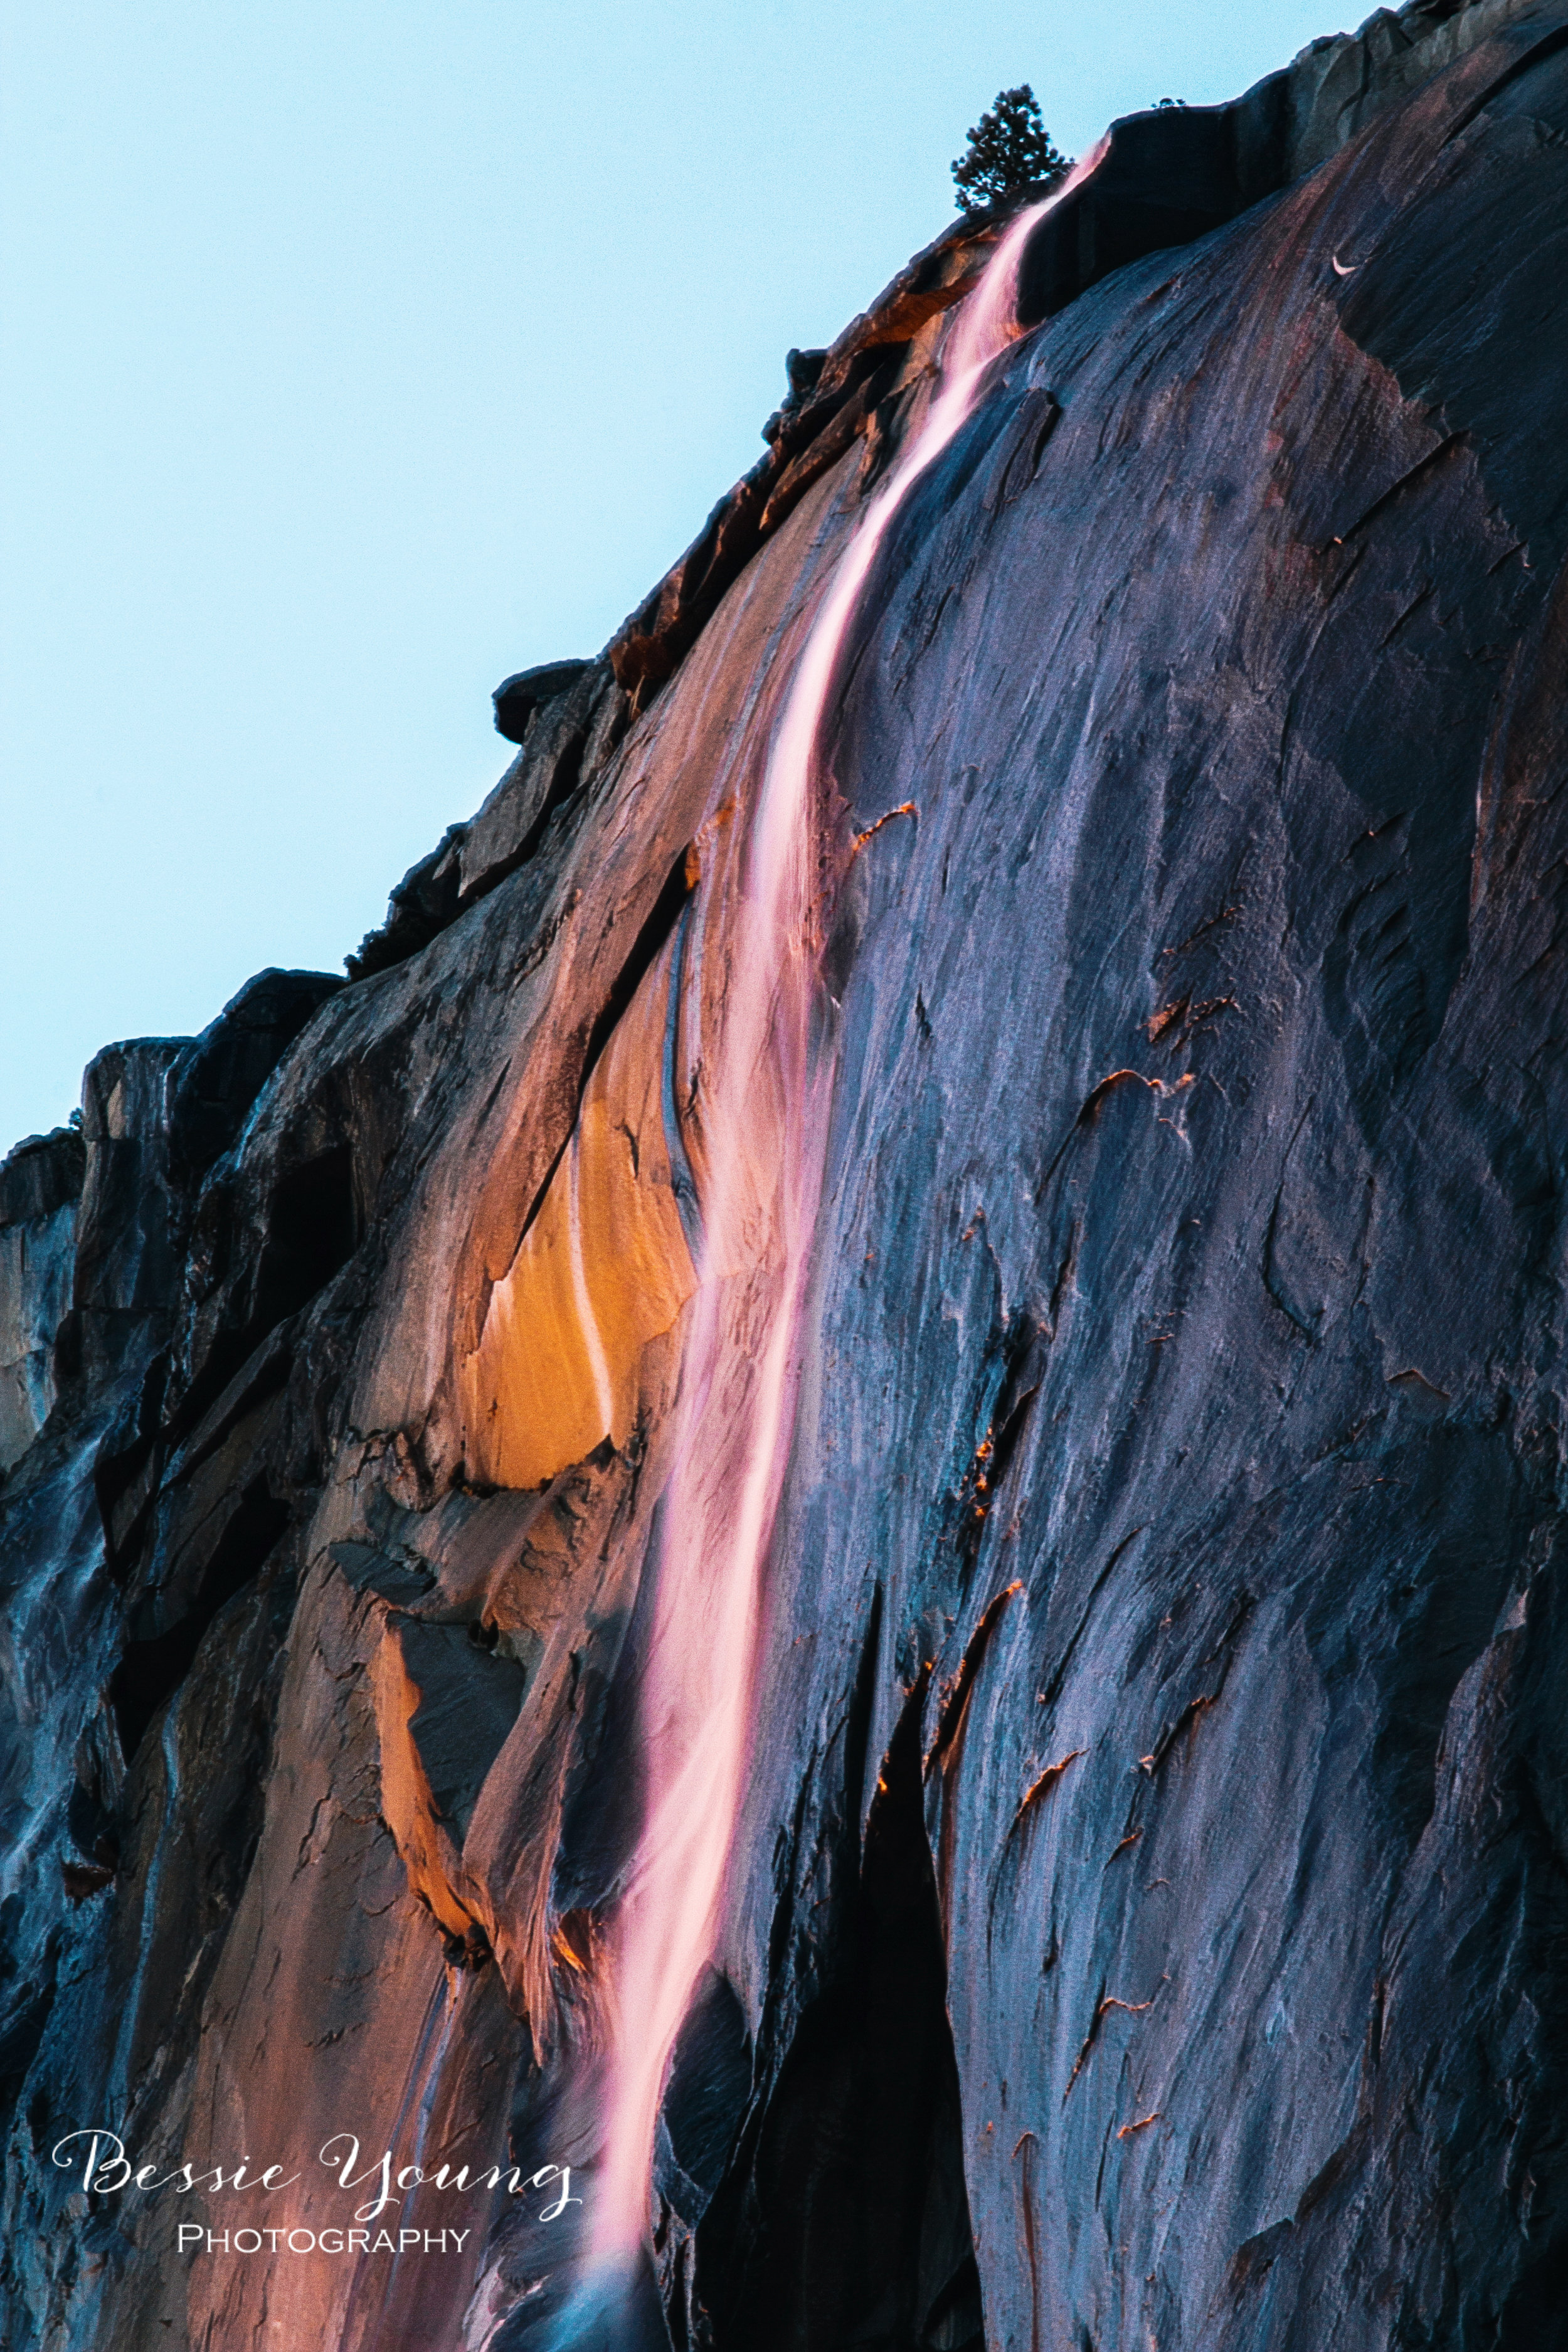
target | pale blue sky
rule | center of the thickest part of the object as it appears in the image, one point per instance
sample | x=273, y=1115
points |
x=354, y=352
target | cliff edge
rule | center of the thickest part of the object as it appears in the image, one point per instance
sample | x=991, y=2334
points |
x=1147, y=1910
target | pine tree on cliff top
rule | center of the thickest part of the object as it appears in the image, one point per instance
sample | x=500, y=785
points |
x=1009, y=148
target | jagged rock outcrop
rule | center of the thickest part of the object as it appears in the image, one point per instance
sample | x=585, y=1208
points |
x=1149, y=1923
x=40, y=1183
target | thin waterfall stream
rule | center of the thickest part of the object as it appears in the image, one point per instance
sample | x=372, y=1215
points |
x=740, y=1368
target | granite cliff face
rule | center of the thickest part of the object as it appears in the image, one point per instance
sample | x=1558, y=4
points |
x=1148, y=1918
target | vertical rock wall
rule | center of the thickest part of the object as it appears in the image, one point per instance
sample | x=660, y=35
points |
x=1149, y=1920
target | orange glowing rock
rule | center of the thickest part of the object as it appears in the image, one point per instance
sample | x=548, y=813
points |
x=603, y=1269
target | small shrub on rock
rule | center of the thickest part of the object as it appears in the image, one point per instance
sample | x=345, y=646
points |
x=1009, y=148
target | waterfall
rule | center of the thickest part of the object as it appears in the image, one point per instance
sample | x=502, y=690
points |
x=765, y=1128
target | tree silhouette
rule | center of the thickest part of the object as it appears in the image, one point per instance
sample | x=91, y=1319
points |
x=1009, y=148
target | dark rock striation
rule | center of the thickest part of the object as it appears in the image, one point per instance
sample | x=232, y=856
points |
x=1150, y=1920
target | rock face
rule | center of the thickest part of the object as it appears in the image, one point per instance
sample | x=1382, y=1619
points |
x=40, y=1183
x=1148, y=1924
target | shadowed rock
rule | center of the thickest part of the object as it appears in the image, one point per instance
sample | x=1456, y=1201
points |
x=517, y=698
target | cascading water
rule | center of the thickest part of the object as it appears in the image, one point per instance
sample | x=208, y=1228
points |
x=764, y=1129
